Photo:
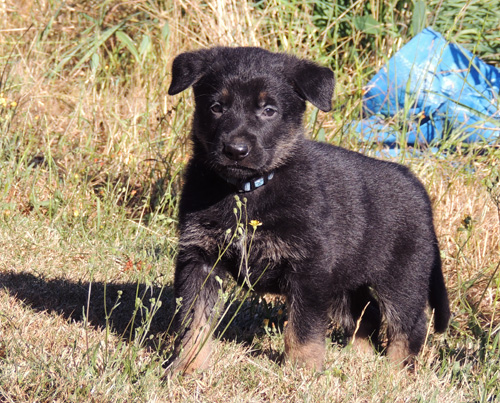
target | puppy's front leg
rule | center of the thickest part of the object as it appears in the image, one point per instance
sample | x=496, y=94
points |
x=196, y=283
x=306, y=328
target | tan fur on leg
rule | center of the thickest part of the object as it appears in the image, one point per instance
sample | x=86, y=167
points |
x=398, y=351
x=196, y=345
x=362, y=345
x=309, y=355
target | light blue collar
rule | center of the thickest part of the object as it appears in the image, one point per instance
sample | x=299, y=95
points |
x=252, y=184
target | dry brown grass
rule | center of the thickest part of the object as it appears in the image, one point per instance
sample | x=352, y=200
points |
x=468, y=225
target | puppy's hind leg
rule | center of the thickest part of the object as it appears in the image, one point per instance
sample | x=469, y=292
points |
x=403, y=295
x=405, y=342
x=406, y=323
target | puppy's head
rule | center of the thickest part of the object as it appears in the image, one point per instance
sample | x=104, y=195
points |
x=249, y=105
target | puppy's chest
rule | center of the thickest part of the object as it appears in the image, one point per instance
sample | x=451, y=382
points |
x=261, y=259
x=263, y=246
x=251, y=243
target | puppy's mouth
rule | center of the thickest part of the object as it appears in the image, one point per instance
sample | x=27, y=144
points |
x=236, y=170
x=241, y=169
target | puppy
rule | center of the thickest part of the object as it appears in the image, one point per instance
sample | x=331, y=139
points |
x=340, y=235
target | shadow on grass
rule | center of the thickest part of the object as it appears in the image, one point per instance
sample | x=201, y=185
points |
x=76, y=300
x=245, y=322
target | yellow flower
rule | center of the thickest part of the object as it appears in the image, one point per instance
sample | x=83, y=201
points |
x=13, y=104
x=255, y=224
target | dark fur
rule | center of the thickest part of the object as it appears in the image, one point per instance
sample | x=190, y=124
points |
x=340, y=232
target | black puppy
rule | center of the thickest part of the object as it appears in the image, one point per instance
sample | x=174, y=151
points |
x=342, y=236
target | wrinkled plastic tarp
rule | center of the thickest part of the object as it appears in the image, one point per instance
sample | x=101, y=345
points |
x=438, y=89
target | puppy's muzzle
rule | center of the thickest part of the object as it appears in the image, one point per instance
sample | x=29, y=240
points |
x=236, y=151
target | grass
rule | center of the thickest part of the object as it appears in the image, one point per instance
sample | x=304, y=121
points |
x=91, y=155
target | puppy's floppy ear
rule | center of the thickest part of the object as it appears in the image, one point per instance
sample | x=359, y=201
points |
x=315, y=84
x=187, y=69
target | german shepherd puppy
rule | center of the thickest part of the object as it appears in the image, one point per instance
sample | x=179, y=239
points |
x=340, y=235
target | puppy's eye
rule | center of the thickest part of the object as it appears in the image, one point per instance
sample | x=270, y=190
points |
x=217, y=108
x=269, y=112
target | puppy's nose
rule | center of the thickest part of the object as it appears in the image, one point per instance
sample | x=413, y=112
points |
x=236, y=152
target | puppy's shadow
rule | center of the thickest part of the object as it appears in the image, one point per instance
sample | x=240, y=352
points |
x=80, y=300
x=77, y=300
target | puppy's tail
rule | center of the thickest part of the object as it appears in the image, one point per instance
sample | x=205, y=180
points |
x=438, y=296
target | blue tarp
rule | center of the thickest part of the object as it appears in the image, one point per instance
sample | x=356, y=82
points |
x=435, y=89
